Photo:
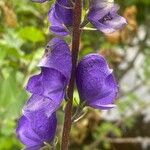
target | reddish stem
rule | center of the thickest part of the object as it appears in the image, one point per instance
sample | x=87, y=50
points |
x=75, y=49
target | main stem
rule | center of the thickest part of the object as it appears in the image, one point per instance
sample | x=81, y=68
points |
x=75, y=49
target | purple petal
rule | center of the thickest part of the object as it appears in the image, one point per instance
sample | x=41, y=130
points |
x=106, y=18
x=60, y=17
x=96, y=13
x=54, y=83
x=58, y=30
x=95, y=82
x=57, y=54
x=49, y=99
x=26, y=135
x=64, y=11
x=44, y=126
x=34, y=132
x=49, y=83
x=103, y=107
x=116, y=23
x=48, y=88
x=40, y=103
x=35, y=84
x=56, y=26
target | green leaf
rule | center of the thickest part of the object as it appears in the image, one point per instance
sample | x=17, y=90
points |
x=106, y=128
x=12, y=96
x=31, y=34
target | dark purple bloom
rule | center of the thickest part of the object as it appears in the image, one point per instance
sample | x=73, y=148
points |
x=48, y=87
x=57, y=56
x=104, y=16
x=38, y=123
x=34, y=132
x=48, y=90
x=60, y=17
x=95, y=82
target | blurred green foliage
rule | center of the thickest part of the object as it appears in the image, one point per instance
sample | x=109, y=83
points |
x=23, y=34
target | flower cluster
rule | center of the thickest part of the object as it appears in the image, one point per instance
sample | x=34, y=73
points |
x=95, y=82
x=102, y=14
x=38, y=123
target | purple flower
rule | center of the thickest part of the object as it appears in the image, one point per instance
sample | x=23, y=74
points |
x=34, y=132
x=104, y=16
x=48, y=87
x=38, y=123
x=95, y=82
x=60, y=17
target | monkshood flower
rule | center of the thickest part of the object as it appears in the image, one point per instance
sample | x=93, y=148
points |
x=103, y=15
x=96, y=85
x=48, y=87
x=60, y=17
x=38, y=123
x=33, y=133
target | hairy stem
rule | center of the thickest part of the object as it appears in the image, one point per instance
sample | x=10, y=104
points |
x=75, y=49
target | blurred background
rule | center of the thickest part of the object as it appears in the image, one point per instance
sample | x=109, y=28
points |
x=23, y=35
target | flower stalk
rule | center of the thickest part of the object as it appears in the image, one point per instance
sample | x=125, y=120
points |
x=75, y=49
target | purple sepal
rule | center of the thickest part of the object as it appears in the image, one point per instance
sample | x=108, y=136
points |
x=95, y=82
x=57, y=56
x=34, y=132
x=60, y=17
x=105, y=18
